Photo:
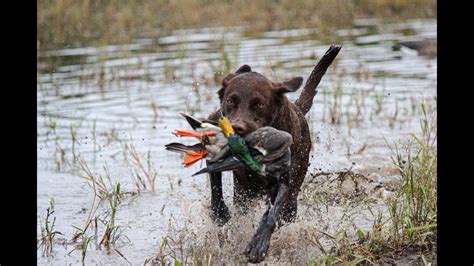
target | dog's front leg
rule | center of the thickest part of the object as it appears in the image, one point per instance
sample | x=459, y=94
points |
x=220, y=213
x=257, y=249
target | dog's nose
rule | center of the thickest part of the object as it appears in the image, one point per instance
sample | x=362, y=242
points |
x=239, y=128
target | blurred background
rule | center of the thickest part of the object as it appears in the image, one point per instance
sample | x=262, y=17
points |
x=69, y=23
x=113, y=75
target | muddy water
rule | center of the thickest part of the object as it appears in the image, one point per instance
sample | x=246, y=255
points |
x=94, y=102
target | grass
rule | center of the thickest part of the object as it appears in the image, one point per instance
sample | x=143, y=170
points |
x=108, y=191
x=413, y=211
x=379, y=101
x=60, y=154
x=411, y=224
x=141, y=171
x=83, y=246
x=62, y=160
x=179, y=248
x=111, y=135
x=101, y=189
x=94, y=138
x=48, y=232
x=336, y=103
x=70, y=23
x=104, y=190
x=349, y=107
x=73, y=132
x=353, y=112
x=393, y=118
x=155, y=109
x=112, y=232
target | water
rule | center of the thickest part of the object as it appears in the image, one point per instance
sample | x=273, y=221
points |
x=93, y=102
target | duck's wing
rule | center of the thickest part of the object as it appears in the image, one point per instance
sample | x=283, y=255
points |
x=229, y=164
x=272, y=143
x=217, y=152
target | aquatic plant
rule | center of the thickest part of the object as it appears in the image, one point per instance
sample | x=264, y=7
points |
x=413, y=210
x=104, y=191
x=412, y=220
x=149, y=172
x=336, y=103
x=48, y=232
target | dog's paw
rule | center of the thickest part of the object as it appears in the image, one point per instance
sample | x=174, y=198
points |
x=220, y=214
x=257, y=249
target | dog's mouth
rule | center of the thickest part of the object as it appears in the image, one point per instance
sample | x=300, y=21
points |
x=244, y=133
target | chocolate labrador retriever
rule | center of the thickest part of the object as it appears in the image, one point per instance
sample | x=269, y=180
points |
x=251, y=101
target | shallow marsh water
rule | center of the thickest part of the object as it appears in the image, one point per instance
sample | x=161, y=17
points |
x=92, y=102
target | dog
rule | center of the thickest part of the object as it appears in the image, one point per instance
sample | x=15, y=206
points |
x=252, y=101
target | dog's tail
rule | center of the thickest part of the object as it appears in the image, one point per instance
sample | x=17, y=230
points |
x=305, y=101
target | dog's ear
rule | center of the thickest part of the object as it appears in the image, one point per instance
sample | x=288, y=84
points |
x=243, y=69
x=291, y=85
x=225, y=81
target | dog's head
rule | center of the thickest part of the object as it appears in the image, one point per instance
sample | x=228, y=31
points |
x=251, y=101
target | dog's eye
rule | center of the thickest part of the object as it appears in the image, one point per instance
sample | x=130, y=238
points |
x=230, y=102
x=260, y=105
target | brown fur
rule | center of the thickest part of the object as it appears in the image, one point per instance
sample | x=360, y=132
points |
x=251, y=101
x=278, y=112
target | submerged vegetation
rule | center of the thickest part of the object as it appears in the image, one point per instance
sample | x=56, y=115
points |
x=71, y=23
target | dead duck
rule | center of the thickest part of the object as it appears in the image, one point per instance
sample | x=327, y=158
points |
x=268, y=146
x=211, y=141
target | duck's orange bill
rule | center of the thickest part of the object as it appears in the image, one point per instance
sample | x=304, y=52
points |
x=184, y=133
x=191, y=157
